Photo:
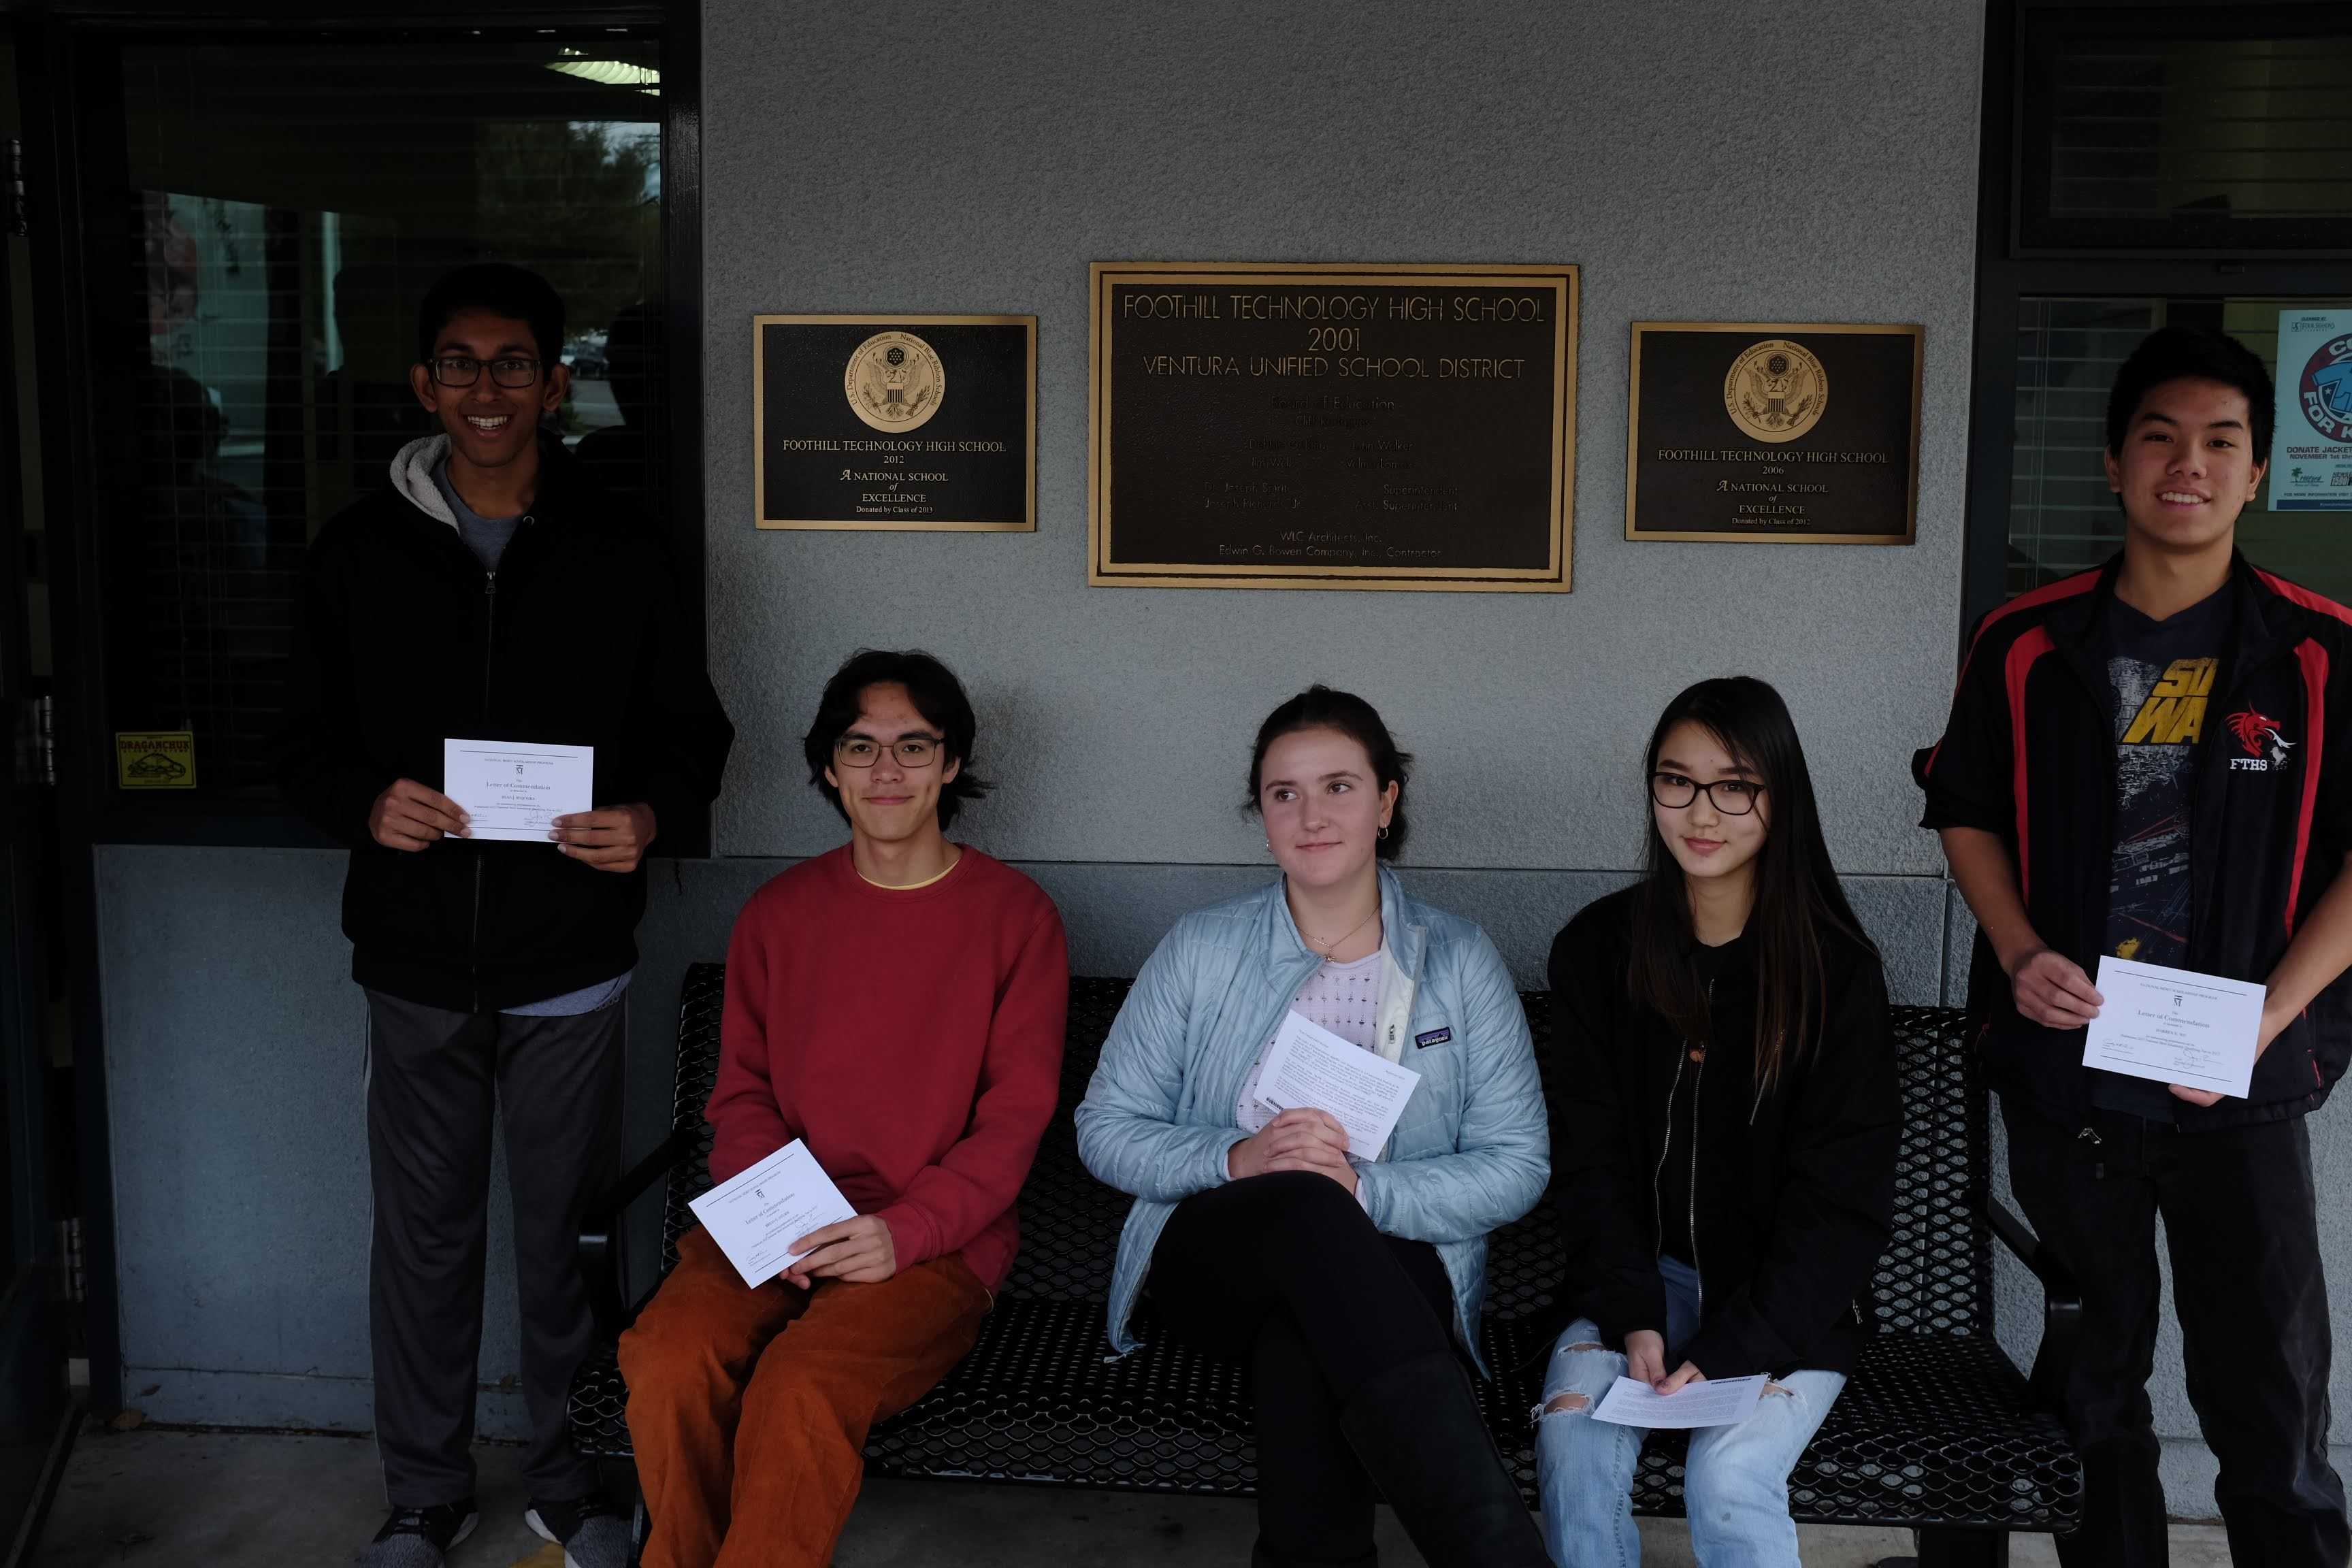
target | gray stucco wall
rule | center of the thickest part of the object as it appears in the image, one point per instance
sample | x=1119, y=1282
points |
x=1619, y=136
x=1027, y=142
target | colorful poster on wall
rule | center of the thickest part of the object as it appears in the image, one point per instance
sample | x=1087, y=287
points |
x=2311, y=439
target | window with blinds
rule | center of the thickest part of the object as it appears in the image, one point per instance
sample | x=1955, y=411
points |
x=281, y=209
x=2063, y=519
x=2136, y=137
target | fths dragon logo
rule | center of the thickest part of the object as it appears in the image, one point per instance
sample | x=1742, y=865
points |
x=2265, y=748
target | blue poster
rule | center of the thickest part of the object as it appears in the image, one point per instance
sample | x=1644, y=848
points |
x=2311, y=439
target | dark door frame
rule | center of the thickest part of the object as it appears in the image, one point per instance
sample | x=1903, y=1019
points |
x=36, y=1413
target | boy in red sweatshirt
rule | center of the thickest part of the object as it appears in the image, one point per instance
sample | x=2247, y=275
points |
x=898, y=1004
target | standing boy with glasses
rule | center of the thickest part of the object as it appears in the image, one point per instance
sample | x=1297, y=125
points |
x=2150, y=760
x=491, y=592
x=898, y=1004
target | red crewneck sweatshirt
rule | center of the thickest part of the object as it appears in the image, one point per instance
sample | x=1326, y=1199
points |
x=911, y=1036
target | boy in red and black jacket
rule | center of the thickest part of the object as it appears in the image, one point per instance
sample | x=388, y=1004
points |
x=2154, y=760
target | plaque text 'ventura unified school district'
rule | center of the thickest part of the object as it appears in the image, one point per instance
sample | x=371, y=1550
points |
x=1339, y=426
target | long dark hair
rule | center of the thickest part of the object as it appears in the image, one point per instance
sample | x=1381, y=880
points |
x=1321, y=708
x=1798, y=900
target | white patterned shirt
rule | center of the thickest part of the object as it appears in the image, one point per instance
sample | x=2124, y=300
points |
x=1344, y=998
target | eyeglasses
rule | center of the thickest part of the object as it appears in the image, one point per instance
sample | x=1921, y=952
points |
x=912, y=752
x=462, y=370
x=1737, y=796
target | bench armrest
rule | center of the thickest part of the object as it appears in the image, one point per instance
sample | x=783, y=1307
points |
x=600, y=1229
x=2061, y=1304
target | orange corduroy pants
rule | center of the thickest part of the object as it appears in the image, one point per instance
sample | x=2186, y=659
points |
x=748, y=1408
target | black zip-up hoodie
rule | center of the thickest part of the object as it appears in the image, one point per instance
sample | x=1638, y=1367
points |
x=2029, y=755
x=578, y=638
x=1793, y=1194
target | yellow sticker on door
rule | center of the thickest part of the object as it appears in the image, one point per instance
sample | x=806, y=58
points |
x=155, y=760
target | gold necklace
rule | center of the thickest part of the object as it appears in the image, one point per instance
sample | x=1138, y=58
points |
x=1327, y=952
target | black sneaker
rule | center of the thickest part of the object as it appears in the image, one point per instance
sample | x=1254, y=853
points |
x=420, y=1537
x=590, y=1529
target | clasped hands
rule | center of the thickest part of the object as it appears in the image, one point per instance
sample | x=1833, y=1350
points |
x=2051, y=990
x=1300, y=1138
x=409, y=815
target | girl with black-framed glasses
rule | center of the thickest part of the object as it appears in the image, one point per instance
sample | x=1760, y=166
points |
x=1725, y=1119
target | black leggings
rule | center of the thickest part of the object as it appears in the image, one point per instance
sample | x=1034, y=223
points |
x=1285, y=1273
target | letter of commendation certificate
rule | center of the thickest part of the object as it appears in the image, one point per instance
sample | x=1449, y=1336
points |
x=756, y=1215
x=1307, y=1065
x=2175, y=1026
x=515, y=791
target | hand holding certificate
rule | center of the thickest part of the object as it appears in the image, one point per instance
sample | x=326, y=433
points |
x=757, y=1215
x=515, y=790
x=1308, y=1066
x=2175, y=1026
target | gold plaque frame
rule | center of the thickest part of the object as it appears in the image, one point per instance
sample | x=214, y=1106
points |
x=883, y=525
x=1554, y=577
x=1914, y=332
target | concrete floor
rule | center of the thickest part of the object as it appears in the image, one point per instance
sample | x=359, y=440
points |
x=195, y=1499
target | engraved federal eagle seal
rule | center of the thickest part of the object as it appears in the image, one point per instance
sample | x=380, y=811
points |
x=895, y=381
x=1775, y=390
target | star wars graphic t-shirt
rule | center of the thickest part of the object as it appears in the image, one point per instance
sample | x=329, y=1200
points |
x=2162, y=675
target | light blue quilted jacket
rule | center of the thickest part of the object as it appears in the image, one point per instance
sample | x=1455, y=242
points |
x=1469, y=1155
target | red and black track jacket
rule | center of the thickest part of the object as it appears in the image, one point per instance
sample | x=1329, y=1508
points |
x=2030, y=754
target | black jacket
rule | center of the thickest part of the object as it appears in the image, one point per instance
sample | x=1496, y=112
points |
x=2029, y=753
x=579, y=638
x=1794, y=1192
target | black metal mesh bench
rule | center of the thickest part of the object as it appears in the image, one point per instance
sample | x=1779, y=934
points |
x=1935, y=1429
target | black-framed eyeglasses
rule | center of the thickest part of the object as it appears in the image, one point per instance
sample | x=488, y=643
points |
x=1732, y=797
x=912, y=751
x=464, y=370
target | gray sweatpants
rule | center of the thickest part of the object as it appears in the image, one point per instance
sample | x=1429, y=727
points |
x=434, y=1079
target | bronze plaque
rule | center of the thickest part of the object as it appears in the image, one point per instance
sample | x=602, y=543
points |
x=895, y=422
x=1786, y=435
x=1276, y=425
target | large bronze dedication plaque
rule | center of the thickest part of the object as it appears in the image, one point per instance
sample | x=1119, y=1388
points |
x=1260, y=425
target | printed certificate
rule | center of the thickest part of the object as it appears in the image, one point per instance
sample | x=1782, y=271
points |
x=2175, y=1026
x=1708, y=1402
x=514, y=790
x=756, y=1215
x=1308, y=1066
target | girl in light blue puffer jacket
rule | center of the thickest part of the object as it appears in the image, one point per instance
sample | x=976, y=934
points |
x=1351, y=1278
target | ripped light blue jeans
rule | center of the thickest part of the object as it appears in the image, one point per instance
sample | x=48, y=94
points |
x=1735, y=1486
